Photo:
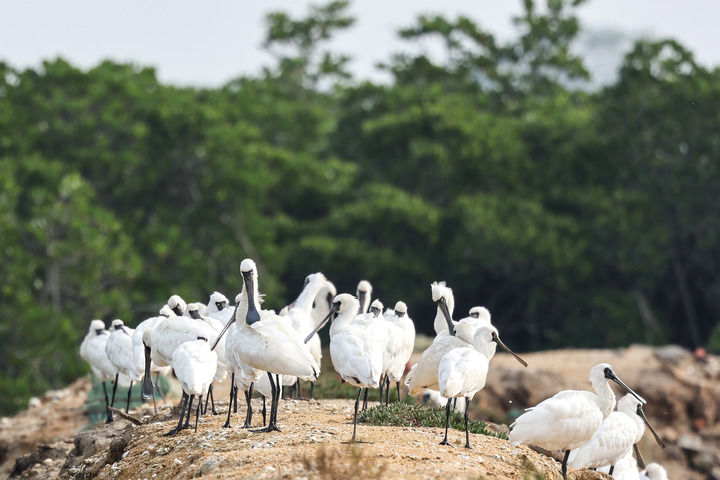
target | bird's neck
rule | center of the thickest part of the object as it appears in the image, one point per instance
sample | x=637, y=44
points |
x=606, y=398
x=306, y=298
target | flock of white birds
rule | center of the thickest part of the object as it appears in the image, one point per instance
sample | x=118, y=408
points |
x=369, y=347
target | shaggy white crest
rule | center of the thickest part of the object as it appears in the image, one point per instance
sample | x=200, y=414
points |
x=364, y=286
x=96, y=325
x=177, y=301
x=440, y=290
x=166, y=311
x=116, y=323
x=248, y=265
x=400, y=307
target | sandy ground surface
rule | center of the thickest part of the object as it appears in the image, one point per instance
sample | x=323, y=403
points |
x=313, y=444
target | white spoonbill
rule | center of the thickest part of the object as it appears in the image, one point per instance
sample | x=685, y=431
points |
x=401, y=343
x=481, y=314
x=462, y=372
x=616, y=435
x=356, y=353
x=323, y=302
x=219, y=307
x=221, y=371
x=166, y=336
x=268, y=342
x=119, y=350
x=92, y=349
x=364, y=292
x=194, y=365
x=424, y=374
x=300, y=315
x=570, y=418
x=441, y=290
x=139, y=347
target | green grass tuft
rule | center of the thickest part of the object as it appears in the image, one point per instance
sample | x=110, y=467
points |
x=406, y=415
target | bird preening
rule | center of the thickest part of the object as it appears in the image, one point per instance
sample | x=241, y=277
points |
x=370, y=347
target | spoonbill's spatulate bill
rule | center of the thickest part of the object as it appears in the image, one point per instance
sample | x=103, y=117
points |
x=570, y=418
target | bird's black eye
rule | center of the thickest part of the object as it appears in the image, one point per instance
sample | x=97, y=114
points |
x=336, y=304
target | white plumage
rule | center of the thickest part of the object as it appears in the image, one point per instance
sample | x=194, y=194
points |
x=218, y=307
x=194, y=364
x=570, y=418
x=615, y=436
x=364, y=293
x=401, y=341
x=441, y=290
x=119, y=350
x=654, y=471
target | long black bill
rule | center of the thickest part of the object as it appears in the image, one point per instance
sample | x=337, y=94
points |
x=657, y=437
x=611, y=375
x=222, y=332
x=252, y=315
x=146, y=392
x=361, y=299
x=497, y=340
x=446, y=313
x=322, y=323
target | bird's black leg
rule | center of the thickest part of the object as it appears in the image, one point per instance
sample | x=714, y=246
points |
x=189, y=410
x=398, y=389
x=207, y=399
x=612, y=469
x=197, y=412
x=357, y=402
x=235, y=395
x=564, y=464
x=299, y=389
x=112, y=400
x=232, y=391
x=127, y=405
x=264, y=411
x=454, y=404
x=387, y=390
x=179, y=427
x=109, y=418
x=248, y=398
x=467, y=413
x=364, y=407
x=382, y=389
x=274, y=408
x=312, y=390
x=212, y=401
x=447, y=421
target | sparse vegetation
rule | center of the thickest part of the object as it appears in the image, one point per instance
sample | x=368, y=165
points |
x=406, y=415
x=335, y=463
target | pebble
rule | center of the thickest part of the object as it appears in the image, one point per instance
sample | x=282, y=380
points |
x=177, y=461
x=211, y=464
x=47, y=461
x=269, y=468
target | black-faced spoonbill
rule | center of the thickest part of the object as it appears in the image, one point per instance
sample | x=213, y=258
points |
x=654, y=471
x=356, y=353
x=364, y=292
x=194, y=365
x=300, y=315
x=139, y=347
x=401, y=341
x=570, y=418
x=616, y=435
x=119, y=350
x=268, y=342
x=92, y=350
x=219, y=307
x=462, y=372
x=221, y=372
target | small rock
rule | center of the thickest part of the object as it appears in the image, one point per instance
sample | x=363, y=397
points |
x=690, y=441
x=211, y=464
x=47, y=461
x=177, y=461
x=480, y=459
x=34, y=402
x=269, y=468
x=671, y=354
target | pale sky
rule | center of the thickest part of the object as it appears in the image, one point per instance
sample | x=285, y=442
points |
x=208, y=43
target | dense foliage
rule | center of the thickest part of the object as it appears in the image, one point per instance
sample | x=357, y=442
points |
x=579, y=218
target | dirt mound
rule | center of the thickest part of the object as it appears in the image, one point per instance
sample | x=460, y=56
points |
x=682, y=391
